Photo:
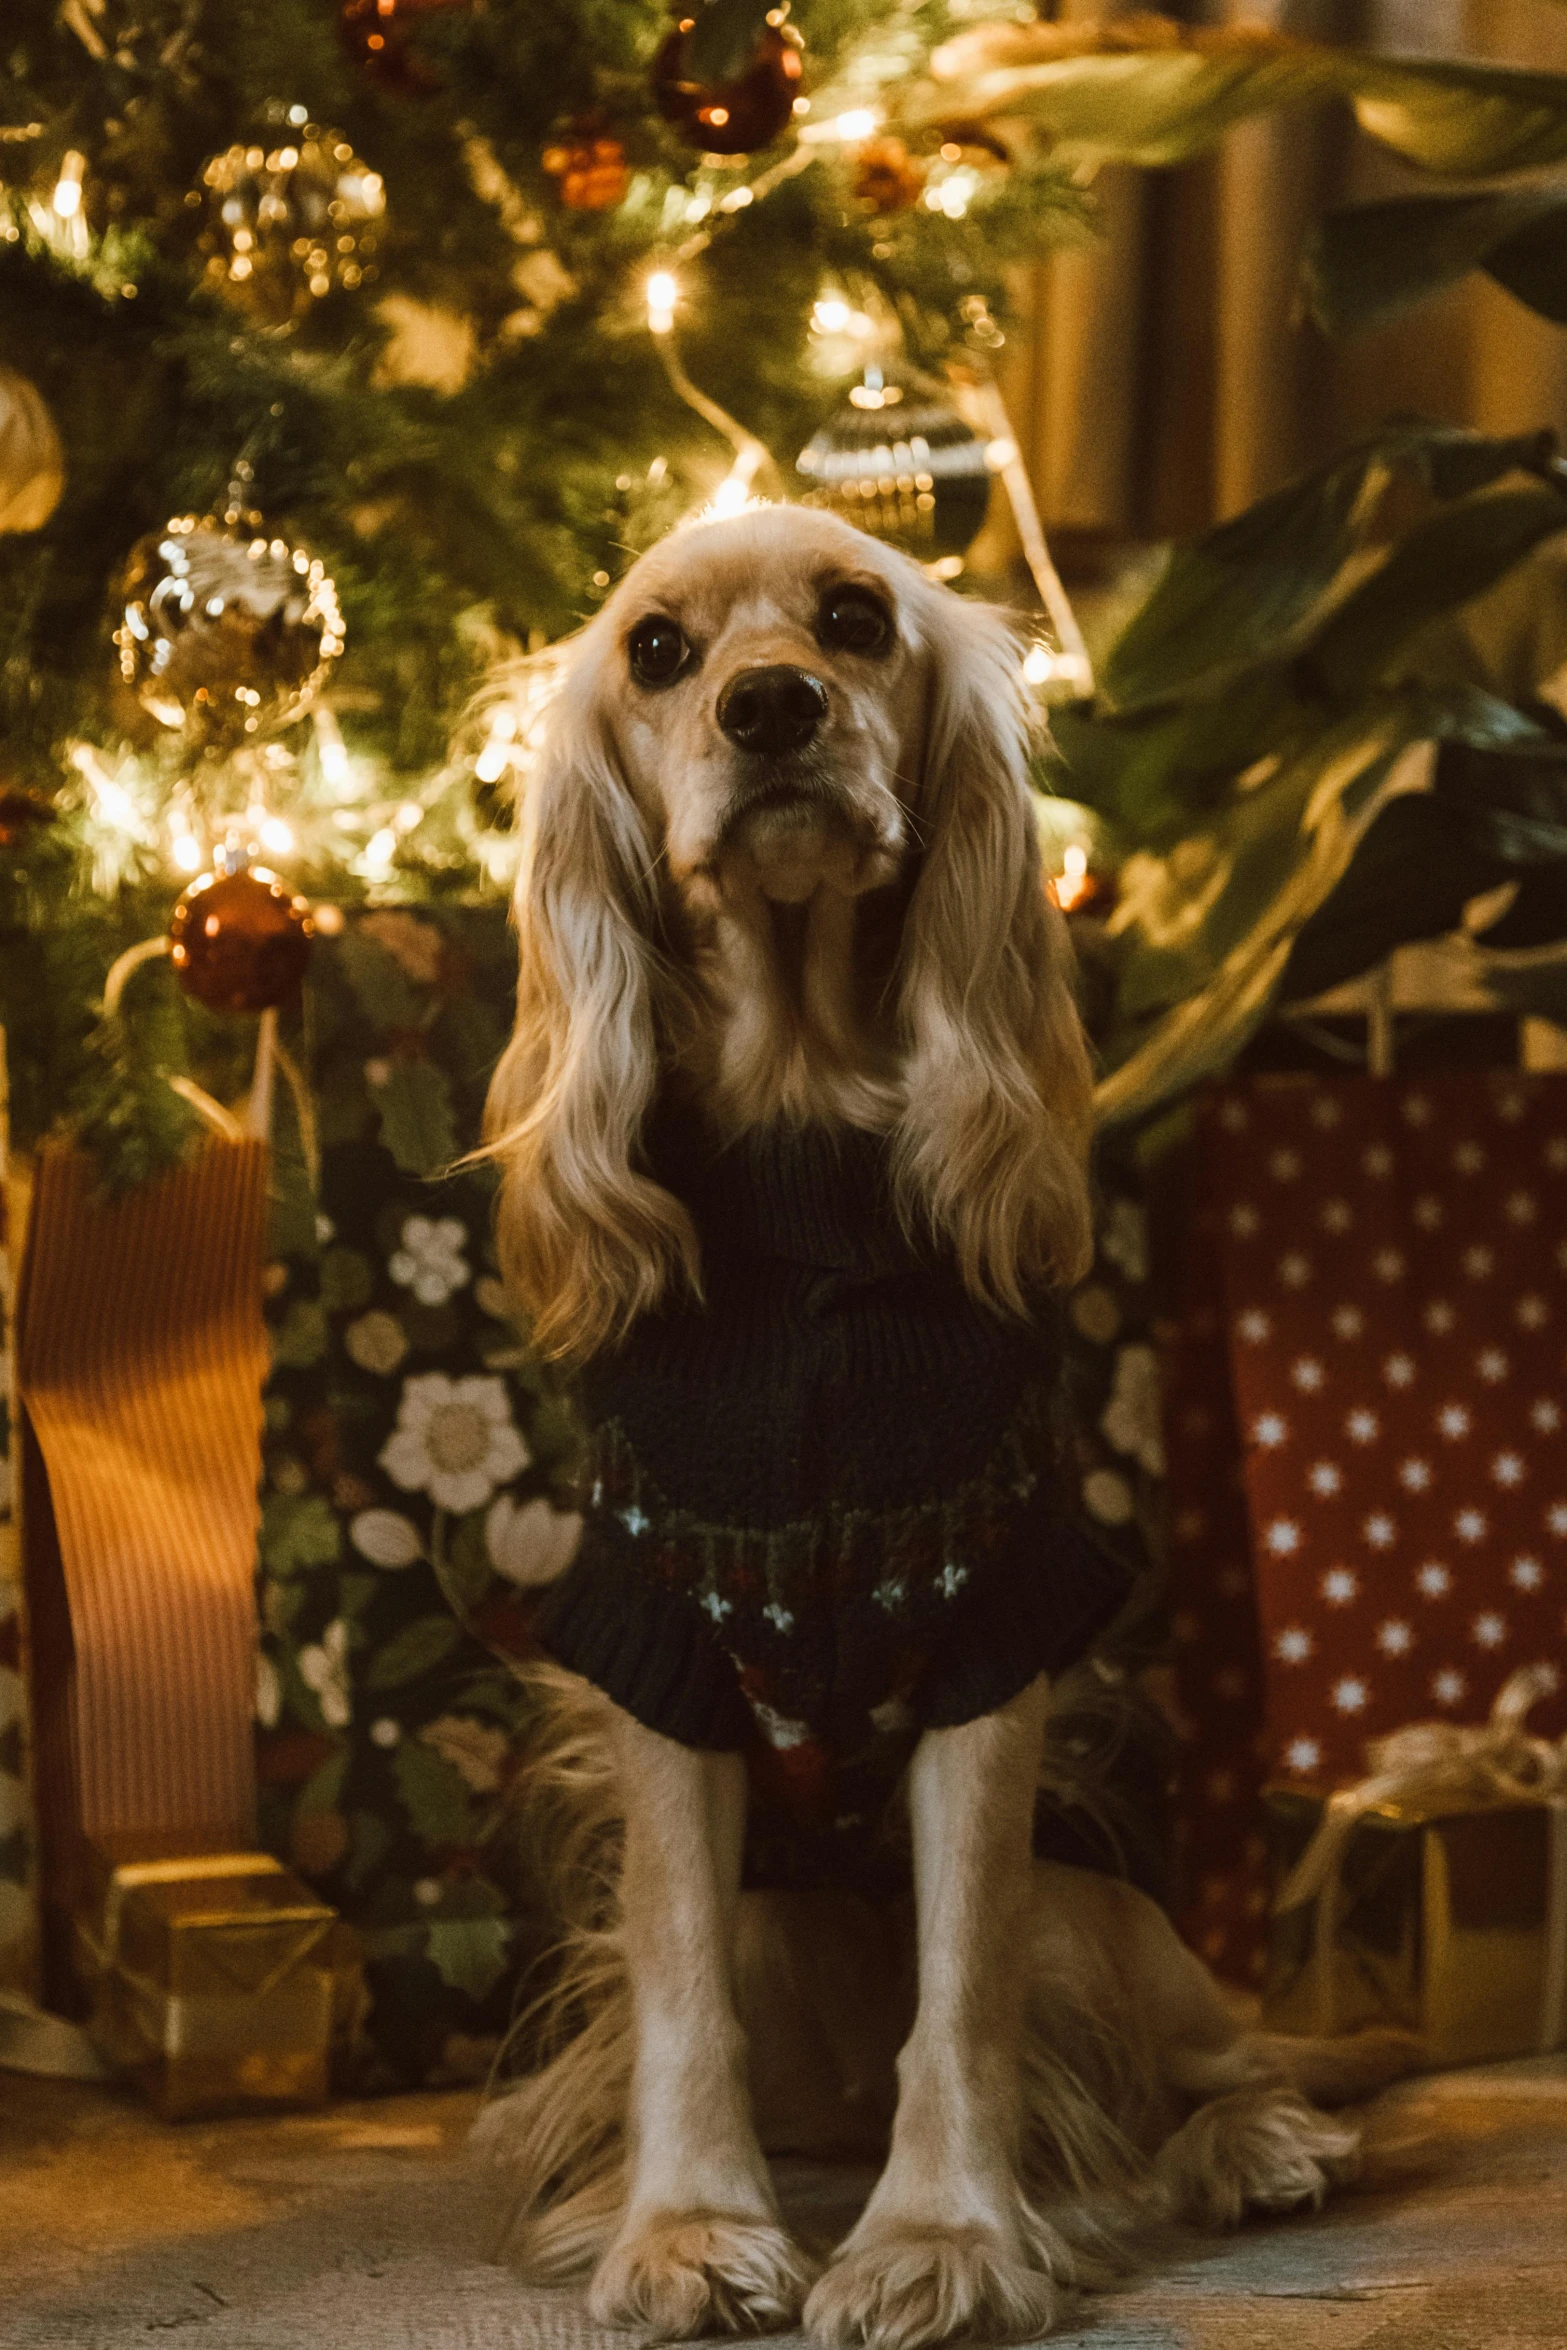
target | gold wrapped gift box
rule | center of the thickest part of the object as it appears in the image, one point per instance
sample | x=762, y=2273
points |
x=217, y=1979
x=1449, y=1922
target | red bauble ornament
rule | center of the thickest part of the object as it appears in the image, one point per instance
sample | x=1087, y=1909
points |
x=590, y=169
x=375, y=34
x=240, y=941
x=734, y=117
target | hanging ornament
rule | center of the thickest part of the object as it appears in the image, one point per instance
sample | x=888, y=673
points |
x=239, y=942
x=32, y=463
x=737, y=116
x=289, y=220
x=588, y=167
x=898, y=461
x=886, y=177
x=223, y=632
x=376, y=35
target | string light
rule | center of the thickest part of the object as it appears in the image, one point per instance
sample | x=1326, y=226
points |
x=67, y=197
x=831, y=315
x=860, y=123
x=662, y=291
x=380, y=850
x=186, y=853
x=277, y=836
x=1071, y=883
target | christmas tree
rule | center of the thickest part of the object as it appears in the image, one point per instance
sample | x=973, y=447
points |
x=353, y=346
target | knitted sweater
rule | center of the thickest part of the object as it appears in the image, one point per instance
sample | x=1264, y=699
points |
x=824, y=1507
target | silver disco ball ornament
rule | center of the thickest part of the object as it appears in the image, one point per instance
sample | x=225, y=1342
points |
x=224, y=632
x=898, y=460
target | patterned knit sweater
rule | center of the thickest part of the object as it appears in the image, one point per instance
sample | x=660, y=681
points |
x=825, y=1507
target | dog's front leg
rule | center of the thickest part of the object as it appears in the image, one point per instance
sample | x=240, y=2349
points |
x=947, y=2246
x=699, y=2248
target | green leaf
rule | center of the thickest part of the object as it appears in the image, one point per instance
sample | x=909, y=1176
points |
x=1437, y=566
x=414, y=1650
x=465, y=1572
x=470, y=1954
x=434, y=1794
x=1153, y=92
x=1153, y=773
x=721, y=43
x=1250, y=588
x=369, y=1842
x=1212, y=926
x=1368, y=263
x=417, y=1124
x=300, y=1339
x=298, y=1531
x=346, y=1280
x=323, y=1790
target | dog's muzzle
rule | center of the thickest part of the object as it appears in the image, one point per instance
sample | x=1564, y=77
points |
x=772, y=711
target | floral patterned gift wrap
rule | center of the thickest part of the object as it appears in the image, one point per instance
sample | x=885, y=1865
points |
x=414, y=1460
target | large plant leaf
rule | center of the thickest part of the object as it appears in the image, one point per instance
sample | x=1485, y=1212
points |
x=1368, y=263
x=1152, y=92
x=1153, y=773
x=1442, y=563
x=1252, y=588
x=1213, y=925
x=1416, y=869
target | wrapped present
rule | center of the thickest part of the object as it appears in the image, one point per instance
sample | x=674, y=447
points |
x=1395, y=1290
x=216, y=1979
x=1432, y=1894
x=1222, y=1854
x=140, y=1348
x=1381, y=1264
x=414, y=1461
x=18, y=1907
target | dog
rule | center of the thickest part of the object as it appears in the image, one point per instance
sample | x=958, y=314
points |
x=779, y=867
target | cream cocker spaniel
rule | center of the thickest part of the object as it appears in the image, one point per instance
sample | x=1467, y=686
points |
x=793, y=1133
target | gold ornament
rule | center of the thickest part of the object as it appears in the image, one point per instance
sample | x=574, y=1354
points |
x=289, y=220
x=239, y=942
x=224, y=632
x=886, y=177
x=32, y=463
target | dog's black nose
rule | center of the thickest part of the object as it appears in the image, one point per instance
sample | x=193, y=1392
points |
x=772, y=710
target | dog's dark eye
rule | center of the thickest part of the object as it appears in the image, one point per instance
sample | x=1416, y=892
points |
x=657, y=649
x=852, y=620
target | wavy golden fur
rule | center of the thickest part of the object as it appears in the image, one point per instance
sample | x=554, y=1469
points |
x=880, y=951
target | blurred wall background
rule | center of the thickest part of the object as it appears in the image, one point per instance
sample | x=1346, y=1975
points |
x=1166, y=377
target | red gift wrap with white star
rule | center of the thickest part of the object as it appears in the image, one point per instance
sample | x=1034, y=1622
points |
x=1384, y=1332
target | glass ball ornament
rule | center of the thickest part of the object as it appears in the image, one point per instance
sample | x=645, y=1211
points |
x=32, y=462
x=224, y=632
x=289, y=220
x=239, y=942
x=898, y=461
x=738, y=116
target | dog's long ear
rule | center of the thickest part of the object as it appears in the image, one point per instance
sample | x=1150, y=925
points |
x=586, y=1240
x=991, y=1151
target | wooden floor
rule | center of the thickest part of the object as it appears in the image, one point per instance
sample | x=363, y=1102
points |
x=361, y=2228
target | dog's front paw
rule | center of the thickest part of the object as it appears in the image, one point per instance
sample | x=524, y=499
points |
x=683, y=2273
x=908, y=2288
x=1255, y=2150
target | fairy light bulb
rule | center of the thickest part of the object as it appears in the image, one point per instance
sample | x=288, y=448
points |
x=831, y=315
x=67, y=197
x=185, y=853
x=662, y=291
x=859, y=123
x=277, y=836
x=1072, y=881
